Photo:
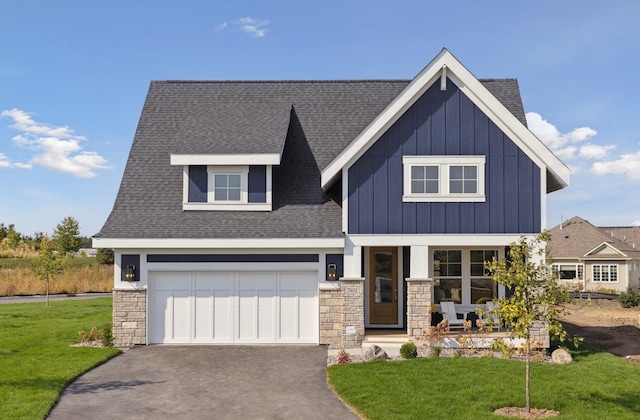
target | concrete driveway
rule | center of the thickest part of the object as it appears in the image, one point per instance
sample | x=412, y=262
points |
x=206, y=382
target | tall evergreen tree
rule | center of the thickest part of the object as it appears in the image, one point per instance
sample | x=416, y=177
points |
x=66, y=236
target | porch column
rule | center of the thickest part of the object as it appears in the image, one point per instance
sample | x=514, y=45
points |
x=352, y=259
x=352, y=289
x=418, y=306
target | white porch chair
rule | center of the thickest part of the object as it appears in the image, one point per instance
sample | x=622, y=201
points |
x=490, y=318
x=448, y=310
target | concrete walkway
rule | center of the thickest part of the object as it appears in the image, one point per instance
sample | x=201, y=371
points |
x=206, y=382
x=52, y=298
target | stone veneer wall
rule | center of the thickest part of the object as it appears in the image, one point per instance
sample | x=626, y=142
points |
x=331, y=317
x=540, y=333
x=418, y=307
x=129, y=317
x=352, y=311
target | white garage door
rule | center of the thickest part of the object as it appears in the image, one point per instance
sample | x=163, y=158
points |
x=233, y=307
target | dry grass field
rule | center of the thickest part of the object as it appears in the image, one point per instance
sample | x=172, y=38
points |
x=81, y=275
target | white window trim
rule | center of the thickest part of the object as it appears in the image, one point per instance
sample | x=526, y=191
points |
x=443, y=163
x=243, y=171
x=241, y=205
x=579, y=268
x=466, y=277
x=617, y=280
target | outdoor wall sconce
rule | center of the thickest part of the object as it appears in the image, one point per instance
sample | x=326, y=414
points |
x=332, y=272
x=130, y=273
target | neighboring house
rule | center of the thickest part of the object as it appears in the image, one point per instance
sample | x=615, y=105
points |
x=590, y=258
x=307, y=211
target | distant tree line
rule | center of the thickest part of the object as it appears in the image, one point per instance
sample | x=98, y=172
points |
x=66, y=238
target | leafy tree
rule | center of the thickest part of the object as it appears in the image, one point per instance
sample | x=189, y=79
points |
x=536, y=294
x=48, y=265
x=105, y=256
x=66, y=236
x=13, y=237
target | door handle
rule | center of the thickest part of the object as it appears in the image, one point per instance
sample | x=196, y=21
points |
x=395, y=295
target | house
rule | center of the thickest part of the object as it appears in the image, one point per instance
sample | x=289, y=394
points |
x=309, y=211
x=595, y=259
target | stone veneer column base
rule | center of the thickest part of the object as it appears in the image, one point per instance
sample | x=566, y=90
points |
x=418, y=307
x=129, y=317
x=352, y=333
x=330, y=297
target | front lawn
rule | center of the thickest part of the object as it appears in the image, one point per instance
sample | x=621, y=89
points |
x=36, y=360
x=596, y=385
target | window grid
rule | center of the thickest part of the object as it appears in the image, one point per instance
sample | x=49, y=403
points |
x=605, y=273
x=227, y=187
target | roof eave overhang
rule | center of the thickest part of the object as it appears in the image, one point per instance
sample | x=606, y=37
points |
x=227, y=159
x=557, y=172
x=217, y=243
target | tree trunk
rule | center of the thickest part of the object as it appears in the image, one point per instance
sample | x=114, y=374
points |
x=47, y=292
x=527, y=374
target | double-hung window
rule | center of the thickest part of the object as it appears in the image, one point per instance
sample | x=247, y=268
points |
x=605, y=273
x=443, y=178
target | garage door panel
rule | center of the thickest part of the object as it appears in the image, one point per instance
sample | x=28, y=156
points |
x=179, y=307
x=213, y=300
x=228, y=307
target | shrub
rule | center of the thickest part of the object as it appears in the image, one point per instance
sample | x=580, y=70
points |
x=409, y=351
x=629, y=298
x=94, y=335
x=107, y=335
x=343, y=357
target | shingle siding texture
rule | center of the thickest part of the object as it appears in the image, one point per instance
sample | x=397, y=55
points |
x=318, y=119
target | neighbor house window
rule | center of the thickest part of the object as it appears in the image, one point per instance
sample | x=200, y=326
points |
x=443, y=178
x=569, y=271
x=605, y=273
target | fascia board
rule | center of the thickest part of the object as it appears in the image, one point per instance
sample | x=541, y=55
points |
x=220, y=243
x=385, y=119
x=477, y=93
x=607, y=245
x=227, y=159
x=507, y=122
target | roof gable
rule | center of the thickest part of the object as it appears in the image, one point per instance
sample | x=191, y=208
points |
x=442, y=66
x=604, y=250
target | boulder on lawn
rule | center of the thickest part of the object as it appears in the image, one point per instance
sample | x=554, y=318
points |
x=375, y=352
x=561, y=357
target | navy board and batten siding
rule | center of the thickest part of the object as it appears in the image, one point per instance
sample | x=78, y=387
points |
x=444, y=123
x=199, y=178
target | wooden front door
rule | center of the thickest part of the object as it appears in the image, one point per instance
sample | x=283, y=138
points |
x=383, y=286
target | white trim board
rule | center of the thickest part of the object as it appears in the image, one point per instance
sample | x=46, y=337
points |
x=229, y=159
x=221, y=243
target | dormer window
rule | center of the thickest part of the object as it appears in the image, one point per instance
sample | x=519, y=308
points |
x=236, y=187
x=227, y=187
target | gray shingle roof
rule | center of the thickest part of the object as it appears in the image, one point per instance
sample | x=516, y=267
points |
x=318, y=118
x=577, y=237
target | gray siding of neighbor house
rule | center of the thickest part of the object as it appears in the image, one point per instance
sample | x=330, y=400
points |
x=444, y=123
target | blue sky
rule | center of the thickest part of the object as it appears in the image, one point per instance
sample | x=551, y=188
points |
x=74, y=75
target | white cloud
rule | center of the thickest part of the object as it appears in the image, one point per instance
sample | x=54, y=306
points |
x=636, y=223
x=593, y=151
x=551, y=136
x=4, y=161
x=254, y=27
x=627, y=164
x=56, y=148
x=221, y=27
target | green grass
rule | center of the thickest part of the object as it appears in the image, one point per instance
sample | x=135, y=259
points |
x=36, y=360
x=596, y=385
